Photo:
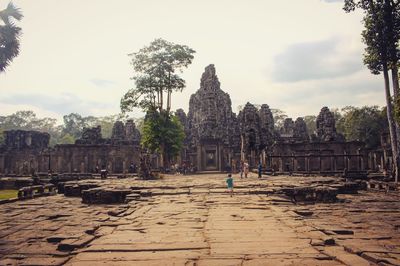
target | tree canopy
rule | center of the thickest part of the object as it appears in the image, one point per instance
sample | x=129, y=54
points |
x=381, y=35
x=66, y=133
x=9, y=35
x=161, y=135
x=156, y=68
x=365, y=123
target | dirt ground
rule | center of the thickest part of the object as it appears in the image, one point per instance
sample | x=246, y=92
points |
x=192, y=220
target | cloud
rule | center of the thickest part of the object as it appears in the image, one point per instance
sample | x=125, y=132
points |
x=329, y=58
x=102, y=82
x=308, y=97
x=61, y=104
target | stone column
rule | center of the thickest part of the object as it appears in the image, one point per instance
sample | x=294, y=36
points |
x=334, y=163
x=307, y=163
x=86, y=170
x=82, y=167
x=199, y=154
x=293, y=164
x=320, y=163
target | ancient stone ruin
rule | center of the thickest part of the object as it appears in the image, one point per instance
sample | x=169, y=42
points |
x=27, y=152
x=216, y=140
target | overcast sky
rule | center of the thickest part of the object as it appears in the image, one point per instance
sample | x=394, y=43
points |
x=293, y=55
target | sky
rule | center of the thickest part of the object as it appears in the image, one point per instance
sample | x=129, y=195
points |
x=297, y=56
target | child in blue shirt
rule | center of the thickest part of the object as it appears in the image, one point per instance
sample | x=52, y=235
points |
x=229, y=182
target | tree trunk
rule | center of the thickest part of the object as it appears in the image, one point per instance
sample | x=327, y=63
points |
x=395, y=81
x=162, y=156
x=392, y=128
x=396, y=94
x=168, y=101
x=161, y=100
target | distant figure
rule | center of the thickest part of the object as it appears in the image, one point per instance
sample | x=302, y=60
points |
x=97, y=169
x=246, y=169
x=103, y=173
x=241, y=169
x=134, y=168
x=131, y=168
x=259, y=170
x=229, y=182
x=184, y=168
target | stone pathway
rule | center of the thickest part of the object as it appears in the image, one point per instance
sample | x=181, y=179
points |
x=191, y=220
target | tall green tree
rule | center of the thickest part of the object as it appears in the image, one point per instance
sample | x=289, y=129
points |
x=156, y=76
x=381, y=35
x=365, y=124
x=311, y=122
x=161, y=135
x=9, y=35
x=157, y=69
x=279, y=117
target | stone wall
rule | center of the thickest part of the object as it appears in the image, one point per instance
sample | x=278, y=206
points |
x=27, y=152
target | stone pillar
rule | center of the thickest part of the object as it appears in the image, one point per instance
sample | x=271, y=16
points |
x=86, y=169
x=124, y=170
x=334, y=163
x=307, y=163
x=320, y=163
x=293, y=164
x=199, y=154
x=82, y=167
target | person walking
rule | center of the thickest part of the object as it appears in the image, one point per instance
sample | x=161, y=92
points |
x=229, y=182
x=246, y=169
x=259, y=170
x=241, y=169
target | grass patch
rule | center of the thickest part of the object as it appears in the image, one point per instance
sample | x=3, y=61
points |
x=8, y=194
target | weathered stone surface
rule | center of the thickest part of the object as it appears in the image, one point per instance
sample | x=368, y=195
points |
x=205, y=226
x=300, y=132
x=100, y=195
x=250, y=131
x=131, y=132
x=210, y=113
x=326, y=128
x=91, y=136
x=21, y=139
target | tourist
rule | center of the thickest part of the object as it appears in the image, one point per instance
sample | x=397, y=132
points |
x=229, y=182
x=246, y=169
x=241, y=169
x=259, y=170
x=131, y=168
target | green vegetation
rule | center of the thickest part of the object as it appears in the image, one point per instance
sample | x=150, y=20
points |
x=8, y=194
x=59, y=134
x=381, y=36
x=9, y=35
x=156, y=77
x=163, y=135
x=365, y=124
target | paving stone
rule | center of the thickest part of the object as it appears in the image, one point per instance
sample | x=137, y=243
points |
x=191, y=220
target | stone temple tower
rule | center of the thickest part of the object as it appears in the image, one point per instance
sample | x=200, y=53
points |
x=209, y=125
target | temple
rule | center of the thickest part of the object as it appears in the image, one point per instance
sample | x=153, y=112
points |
x=27, y=152
x=216, y=140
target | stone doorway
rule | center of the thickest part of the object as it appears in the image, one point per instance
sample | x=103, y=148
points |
x=211, y=160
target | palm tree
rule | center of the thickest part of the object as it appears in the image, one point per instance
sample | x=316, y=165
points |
x=9, y=35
